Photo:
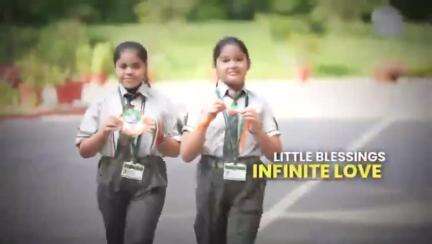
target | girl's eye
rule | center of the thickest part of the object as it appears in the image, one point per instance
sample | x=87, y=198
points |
x=123, y=66
x=135, y=66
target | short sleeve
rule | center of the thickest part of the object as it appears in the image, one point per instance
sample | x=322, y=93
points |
x=173, y=126
x=191, y=121
x=269, y=123
x=172, y=122
x=89, y=123
x=196, y=111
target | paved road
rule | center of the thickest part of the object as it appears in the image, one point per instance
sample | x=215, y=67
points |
x=47, y=192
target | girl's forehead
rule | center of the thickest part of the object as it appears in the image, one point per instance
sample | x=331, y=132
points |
x=129, y=55
x=231, y=49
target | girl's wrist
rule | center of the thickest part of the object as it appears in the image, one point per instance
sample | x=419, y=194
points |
x=205, y=123
x=104, y=133
x=160, y=139
x=256, y=130
x=257, y=133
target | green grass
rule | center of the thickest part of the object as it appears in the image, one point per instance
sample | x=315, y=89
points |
x=184, y=50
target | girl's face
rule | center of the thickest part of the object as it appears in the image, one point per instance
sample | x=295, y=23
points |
x=232, y=66
x=130, y=69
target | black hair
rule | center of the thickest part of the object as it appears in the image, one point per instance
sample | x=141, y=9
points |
x=229, y=40
x=129, y=45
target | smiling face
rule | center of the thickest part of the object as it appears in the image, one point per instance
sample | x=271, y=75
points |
x=130, y=69
x=231, y=66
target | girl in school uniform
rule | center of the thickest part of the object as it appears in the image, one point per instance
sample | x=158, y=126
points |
x=132, y=128
x=230, y=134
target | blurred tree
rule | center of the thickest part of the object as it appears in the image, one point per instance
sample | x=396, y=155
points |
x=38, y=12
x=345, y=10
x=84, y=12
x=210, y=9
x=117, y=11
x=414, y=9
x=227, y=9
x=291, y=7
x=15, y=42
x=55, y=47
x=241, y=9
x=31, y=12
x=163, y=10
x=263, y=6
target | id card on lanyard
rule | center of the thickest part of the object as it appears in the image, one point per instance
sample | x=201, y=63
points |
x=233, y=170
x=132, y=169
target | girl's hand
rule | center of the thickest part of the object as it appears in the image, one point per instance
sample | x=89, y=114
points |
x=213, y=109
x=160, y=137
x=112, y=124
x=252, y=120
x=146, y=124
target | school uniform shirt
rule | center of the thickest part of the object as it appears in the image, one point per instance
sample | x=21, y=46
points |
x=214, y=139
x=156, y=106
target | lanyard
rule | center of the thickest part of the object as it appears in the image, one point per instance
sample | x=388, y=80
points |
x=135, y=145
x=233, y=146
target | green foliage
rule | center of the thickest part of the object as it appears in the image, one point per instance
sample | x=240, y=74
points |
x=241, y=9
x=43, y=12
x=225, y=9
x=183, y=50
x=9, y=95
x=206, y=10
x=163, y=10
x=83, y=59
x=117, y=11
x=32, y=69
x=47, y=11
x=344, y=10
x=58, y=43
x=54, y=57
x=36, y=72
x=84, y=12
x=55, y=75
x=333, y=70
x=422, y=71
x=292, y=7
x=15, y=42
x=102, y=59
x=414, y=9
x=282, y=27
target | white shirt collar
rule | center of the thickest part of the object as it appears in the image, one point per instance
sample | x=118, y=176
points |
x=144, y=89
x=223, y=89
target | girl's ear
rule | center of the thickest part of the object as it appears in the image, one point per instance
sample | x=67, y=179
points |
x=146, y=78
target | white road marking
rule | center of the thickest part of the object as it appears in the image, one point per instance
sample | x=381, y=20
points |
x=292, y=197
